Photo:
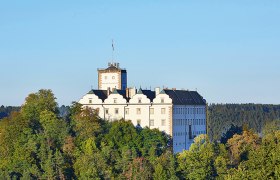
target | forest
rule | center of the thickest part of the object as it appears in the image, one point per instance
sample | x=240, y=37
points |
x=6, y=111
x=226, y=119
x=39, y=142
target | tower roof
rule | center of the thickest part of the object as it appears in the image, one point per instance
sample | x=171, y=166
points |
x=112, y=67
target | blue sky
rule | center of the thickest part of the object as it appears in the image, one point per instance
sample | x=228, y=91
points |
x=228, y=50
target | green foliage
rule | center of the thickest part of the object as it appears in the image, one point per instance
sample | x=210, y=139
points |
x=262, y=163
x=6, y=111
x=31, y=140
x=240, y=145
x=221, y=117
x=38, y=142
x=271, y=127
x=198, y=162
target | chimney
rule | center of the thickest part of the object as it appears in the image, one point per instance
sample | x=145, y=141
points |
x=108, y=91
x=157, y=90
x=132, y=92
x=127, y=92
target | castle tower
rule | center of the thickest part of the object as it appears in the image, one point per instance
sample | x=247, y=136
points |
x=112, y=77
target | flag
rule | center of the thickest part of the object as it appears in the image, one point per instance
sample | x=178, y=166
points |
x=113, y=45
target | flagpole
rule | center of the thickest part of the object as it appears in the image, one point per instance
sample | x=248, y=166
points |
x=113, y=51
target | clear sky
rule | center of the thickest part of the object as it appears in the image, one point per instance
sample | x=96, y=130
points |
x=228, y=50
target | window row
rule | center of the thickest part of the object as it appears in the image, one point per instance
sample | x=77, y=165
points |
x=181, y=122
x=116, y=100
x=189, y=110
x=138, y=111
x=187, y=133
x=106, y=77
x=152, y=122
x=152, y=111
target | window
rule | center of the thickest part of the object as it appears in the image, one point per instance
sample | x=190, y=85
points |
x=152, y=122
x=138, y=111
x=152, y=111
x=113, y=77
x=139, y=122
x=90, y=101
x=126, y=111
x=139, y=100
x=106, y=111
x=117, y=111
x=106, y=77
x=162, y=110
x=162, y=100
x=163, y=122
x=115, y=100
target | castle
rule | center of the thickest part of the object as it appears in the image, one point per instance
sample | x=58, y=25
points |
x=179, y=113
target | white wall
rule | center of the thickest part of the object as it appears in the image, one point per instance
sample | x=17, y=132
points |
x=177, y=117
x=183, y=117
x=158, y=105
x=112, y=103
x=110, y=80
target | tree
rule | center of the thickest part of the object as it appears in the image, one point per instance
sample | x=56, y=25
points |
x=86, y=122
x=36, y=103
x=53, y=129
x=271, y=127
x=263, y=162
x=165, y=166
x=240, y=145
x=139, y=168
x=198, y=162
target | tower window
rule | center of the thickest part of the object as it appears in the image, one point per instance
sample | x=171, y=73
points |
x=163, y=111
x=162, y=100
x=139, y=100
x=90, y=101
x=115, y=100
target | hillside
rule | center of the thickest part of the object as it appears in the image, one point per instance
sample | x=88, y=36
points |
x=223, y=116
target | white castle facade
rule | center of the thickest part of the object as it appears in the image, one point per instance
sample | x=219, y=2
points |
x=179, y=113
